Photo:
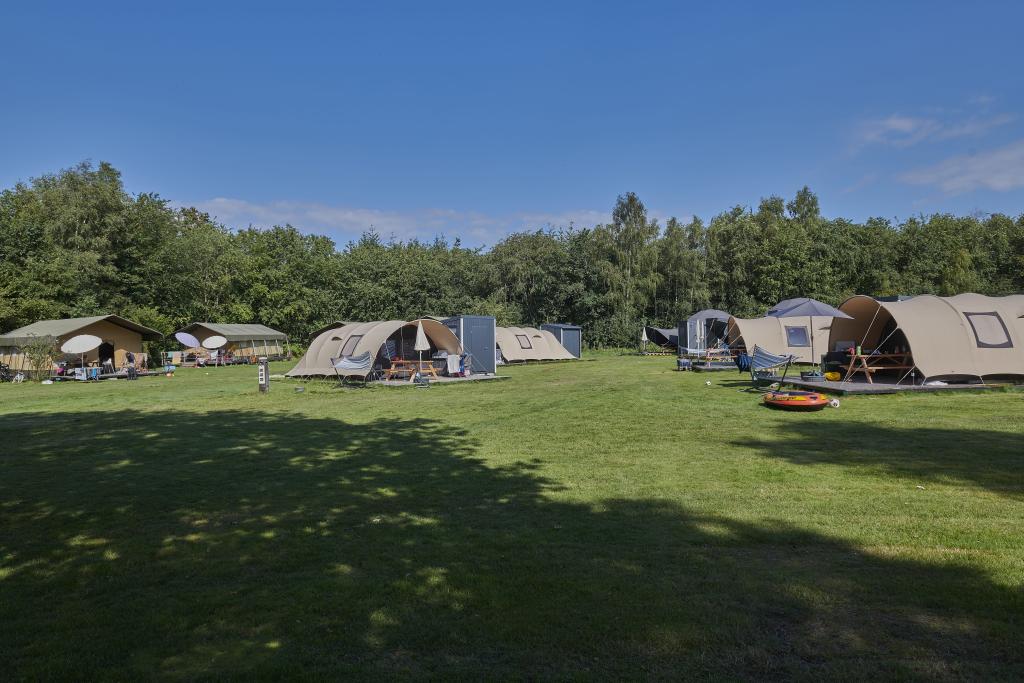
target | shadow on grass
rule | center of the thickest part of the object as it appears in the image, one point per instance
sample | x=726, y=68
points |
x=987, y=459
x=246, y=544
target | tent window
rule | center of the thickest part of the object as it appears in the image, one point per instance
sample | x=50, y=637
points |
x=524, y=341
x=797, y=336
x=989, y=330
x=350, y=345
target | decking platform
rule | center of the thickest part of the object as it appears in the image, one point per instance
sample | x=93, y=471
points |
x=864, y=388
x=437, y=381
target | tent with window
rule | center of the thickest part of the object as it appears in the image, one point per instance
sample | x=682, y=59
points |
x=780, y=336
x=246, y=341
x=119, y=336
x=528, y=343
x=966, y=336
x=382, y=340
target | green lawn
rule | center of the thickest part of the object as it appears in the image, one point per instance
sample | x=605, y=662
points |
x=591, y=520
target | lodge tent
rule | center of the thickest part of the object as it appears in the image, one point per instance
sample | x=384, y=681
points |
x=665, y=337
x=245, y=340
x=958, y=337
x=781, y=336
x=518, y=344
x=119, y=336
x=377, y=338
x=704, y=330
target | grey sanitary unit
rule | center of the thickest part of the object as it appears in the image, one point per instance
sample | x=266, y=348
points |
x=569, y=336
x=476, y=333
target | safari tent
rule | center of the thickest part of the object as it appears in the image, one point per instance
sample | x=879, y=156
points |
x=245, y=341
x=781, y=336
x=966, y=336
x=381, y=339
x=119, y=336
x=518, y=344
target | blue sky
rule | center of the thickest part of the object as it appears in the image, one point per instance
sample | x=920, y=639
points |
x=473, y=120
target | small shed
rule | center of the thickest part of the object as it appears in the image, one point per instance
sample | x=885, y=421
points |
x=119, y=336
x=246, y=341
x=569, y=336
x=477, y=335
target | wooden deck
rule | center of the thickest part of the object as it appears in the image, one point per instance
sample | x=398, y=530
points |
x=437, y=381
x=862, y=387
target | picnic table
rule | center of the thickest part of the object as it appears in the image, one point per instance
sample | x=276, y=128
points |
x=408, y=368
x=870, y=363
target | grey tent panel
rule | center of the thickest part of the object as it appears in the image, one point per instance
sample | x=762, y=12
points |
x=663, y=336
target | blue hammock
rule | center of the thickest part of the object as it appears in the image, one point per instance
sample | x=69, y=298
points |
x=763, y=365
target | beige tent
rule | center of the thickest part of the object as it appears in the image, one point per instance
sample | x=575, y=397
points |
x=245, y=340
x=528, y=343
x=355, y=339
x=119, y=336
x=962, y=336
x=781, y=336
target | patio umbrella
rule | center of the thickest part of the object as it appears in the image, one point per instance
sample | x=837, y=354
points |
x=643, y=337
x=422, y=344
x=805, y=306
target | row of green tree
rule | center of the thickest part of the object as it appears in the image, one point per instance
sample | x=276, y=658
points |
x=76, y=243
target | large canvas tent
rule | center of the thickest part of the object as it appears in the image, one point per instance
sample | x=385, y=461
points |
x=518, y=344
x=354, y=339
x=703, y=330
x=958, y=337
x=780, y=336
x=245, y=340
x=119, y=336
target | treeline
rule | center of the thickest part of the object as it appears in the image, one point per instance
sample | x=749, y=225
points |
x=75, y=243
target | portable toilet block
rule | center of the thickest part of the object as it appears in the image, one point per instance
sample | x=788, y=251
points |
x=476, y=333
x=569, y=336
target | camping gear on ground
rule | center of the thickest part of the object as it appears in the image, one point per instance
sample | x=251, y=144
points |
x=805, y=307
x=796, y=400
x=833, y=376
x=684, y=364
x=763, y=366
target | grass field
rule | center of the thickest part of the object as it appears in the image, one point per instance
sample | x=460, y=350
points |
x=606, y=519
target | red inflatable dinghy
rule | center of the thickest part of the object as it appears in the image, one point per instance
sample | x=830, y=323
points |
x=796, y=400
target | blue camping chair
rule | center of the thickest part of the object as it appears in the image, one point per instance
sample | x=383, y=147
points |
x=764, y=366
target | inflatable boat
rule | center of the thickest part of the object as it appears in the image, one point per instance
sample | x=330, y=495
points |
x=796, y=400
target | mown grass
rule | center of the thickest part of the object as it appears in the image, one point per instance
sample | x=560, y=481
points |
x=608, y=519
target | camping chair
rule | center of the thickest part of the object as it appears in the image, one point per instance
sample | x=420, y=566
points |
x=763, y=366
x=363, y=363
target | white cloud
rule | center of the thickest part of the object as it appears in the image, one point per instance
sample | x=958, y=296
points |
x=999, y=169
x=901, y=131
x=346, y=222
